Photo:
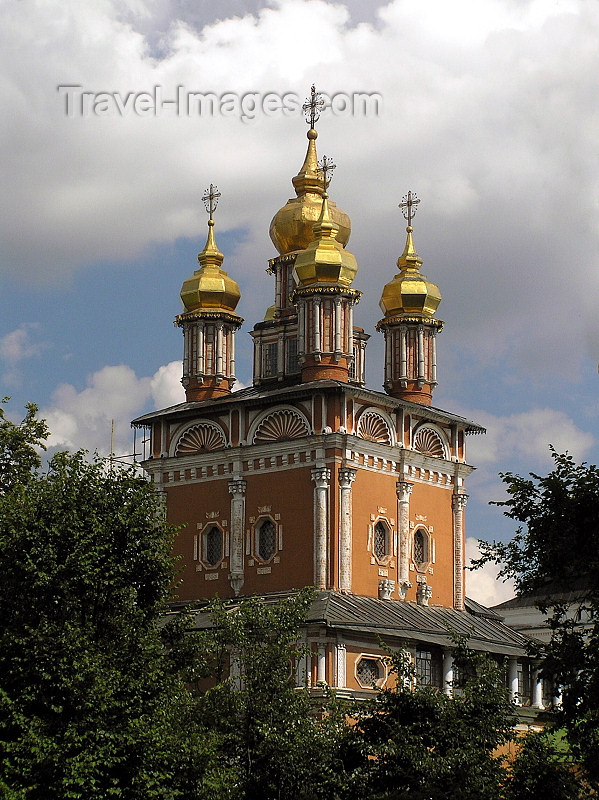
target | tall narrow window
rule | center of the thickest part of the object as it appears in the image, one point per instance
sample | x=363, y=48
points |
x=381, y=541
x=213, y=546
x=428, y=668
x=420, y=549
x=266, y=543
x=270, y=360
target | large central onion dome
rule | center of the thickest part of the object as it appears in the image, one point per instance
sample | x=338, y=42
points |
x=291, y=227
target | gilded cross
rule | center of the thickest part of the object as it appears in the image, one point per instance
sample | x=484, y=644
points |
x=408, y=206
x=210, y=199
x=326, y=167
x=313, y=106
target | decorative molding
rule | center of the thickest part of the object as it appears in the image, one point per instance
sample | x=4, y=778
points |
x=204, y=436
x=373, y=427
x=280, y=425
x=430, y=441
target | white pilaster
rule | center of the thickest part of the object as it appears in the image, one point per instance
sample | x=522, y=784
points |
x=321, y=477
x=512, y=678
x=321, y=664
x=448, y=677
x=537, y=689
x=403, y=490
x=341, y=665
x=458, y=504
x=346, y=478
x=237, y=489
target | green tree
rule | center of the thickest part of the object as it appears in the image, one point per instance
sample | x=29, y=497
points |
x=556, y=550
x=420, y=744
x=89, y=704
x=19, y=445
x=542, y=770
x=271, y=740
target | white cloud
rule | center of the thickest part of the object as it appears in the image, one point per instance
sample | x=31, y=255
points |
x=482, y=584
x=17, y=345
x=166, y=387
x=526, y=437
x=84, y=419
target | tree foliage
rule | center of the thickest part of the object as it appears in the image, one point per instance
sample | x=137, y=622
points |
x=554, y=558
x=88, y=706
x=424, y=745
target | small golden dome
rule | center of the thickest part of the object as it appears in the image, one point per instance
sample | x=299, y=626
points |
x=325, y=260
x=270, y=313
x=410, y=292
x=291, y=227
x=210, y=288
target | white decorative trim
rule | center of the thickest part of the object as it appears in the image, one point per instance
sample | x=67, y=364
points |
x=279, y=424
x=430, y=440
x=375, y=426
x=200, y=437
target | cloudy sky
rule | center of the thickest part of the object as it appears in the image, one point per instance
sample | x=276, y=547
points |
x=488, y=111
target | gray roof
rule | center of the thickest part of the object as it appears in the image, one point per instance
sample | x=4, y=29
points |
x=395, y=619
x=259, y=395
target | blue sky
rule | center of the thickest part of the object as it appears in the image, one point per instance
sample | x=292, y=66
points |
x=488, y=112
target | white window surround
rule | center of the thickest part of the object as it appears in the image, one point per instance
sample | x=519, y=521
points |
x=381, y=668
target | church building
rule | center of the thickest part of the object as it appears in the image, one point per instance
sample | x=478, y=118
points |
x=308, y=477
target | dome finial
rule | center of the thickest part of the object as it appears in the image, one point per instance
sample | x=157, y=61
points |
x=409, y=259
x=211, y=255
x=312, y=108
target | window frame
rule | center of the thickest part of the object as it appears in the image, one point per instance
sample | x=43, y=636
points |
x=258, y=525
x=203, y=545
x=422, y=566
x=389, y=539
x=381, y=668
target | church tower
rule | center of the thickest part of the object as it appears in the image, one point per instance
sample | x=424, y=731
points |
x=209, y=321
x=309, y=478
x=409, y=303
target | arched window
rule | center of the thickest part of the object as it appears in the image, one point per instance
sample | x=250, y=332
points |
x=381, y=540
x=420, y=548
x=213, y=546
x=266, y=540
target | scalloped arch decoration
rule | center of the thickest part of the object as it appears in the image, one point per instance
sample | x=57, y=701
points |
x=280, y=425
x=429, y=442
x=374, y=427
x=201, y=438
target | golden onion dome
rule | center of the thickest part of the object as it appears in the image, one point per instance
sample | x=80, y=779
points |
x=270, y=313
x=210, y=288
x=410, y=292
x=325, y=260
x=291, y=227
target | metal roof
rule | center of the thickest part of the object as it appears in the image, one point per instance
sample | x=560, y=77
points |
x=395, y=619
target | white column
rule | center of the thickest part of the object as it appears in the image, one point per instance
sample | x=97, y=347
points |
x=278, y=288
x=301, y=672
x=317, y=340
x=237, y=489
x=231, y=354
x=336, y=305
x=389, y=340
x=346, y=478
x=512, y=678
x=219, y=350
x=458, y=504
x=448, y=677
x=403, y=490
x=421, y=375
x=537, y=689
x=433, y=336
x=301, y=328
x=341, y=665
x=403, y=353
x=200, y=366
x=321, y=668
x=321, y=477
